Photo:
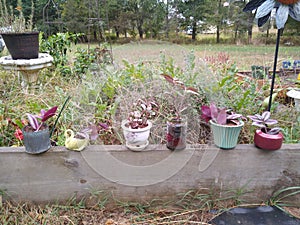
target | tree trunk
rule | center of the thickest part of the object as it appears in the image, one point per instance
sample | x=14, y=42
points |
x=236, y=33
x=167, y=19
x=249, y=28
x=140, y=32
x=218, y=34
x=194, y=33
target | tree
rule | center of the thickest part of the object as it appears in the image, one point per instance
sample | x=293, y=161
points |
x=75, y=15
x=141, y=12
x=191, y=12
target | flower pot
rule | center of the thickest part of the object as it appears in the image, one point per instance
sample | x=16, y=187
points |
x=226, y=136
x=136, y=139
x=259, y=72
x=22, y=45
x=75, y=143
x=176, y=133
x=36, y=142
x=268, y=141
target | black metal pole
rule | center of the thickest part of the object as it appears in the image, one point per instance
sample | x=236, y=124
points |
x=274, y=68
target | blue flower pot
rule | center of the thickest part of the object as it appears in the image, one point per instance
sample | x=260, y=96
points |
x=226, y=136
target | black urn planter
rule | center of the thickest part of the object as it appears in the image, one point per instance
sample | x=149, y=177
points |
x=36, y=142
x=22, y=45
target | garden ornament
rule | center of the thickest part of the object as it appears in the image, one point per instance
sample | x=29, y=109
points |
x=76, y=142
x=283, y=8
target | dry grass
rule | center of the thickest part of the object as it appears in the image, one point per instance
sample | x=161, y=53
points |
x=113, y=214
x=243, y=55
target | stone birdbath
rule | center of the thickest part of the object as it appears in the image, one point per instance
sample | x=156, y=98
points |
x=295, y=94
x=29, y=68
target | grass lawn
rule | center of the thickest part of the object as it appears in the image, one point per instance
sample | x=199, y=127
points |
x=243, y=55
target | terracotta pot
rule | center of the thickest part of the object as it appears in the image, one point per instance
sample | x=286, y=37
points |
x=268, y=141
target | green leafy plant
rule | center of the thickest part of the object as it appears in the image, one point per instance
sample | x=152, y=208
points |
x=178, y=94
x=283, y=197
x=58, y=45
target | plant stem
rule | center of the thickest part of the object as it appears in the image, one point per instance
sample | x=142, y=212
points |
x=60, y=112
x=274, y=68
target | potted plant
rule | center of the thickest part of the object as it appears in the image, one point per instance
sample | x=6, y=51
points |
x=136, y=128
x=17, y=32
x=36, y=134
x=177, y=123
x=225, y=124
x=76, y=142
x=260, y=72
x=79, y=140
x=266, y=138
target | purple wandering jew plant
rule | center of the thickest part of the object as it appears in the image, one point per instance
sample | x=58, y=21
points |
x=44, y=116
x=220, y=116
x=263, y=121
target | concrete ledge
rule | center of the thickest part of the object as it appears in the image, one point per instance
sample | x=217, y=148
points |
x=60, y=174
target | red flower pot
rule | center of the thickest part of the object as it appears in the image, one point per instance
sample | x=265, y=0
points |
x=268, y=141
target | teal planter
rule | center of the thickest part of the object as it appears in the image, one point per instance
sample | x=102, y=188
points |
x=225, y=136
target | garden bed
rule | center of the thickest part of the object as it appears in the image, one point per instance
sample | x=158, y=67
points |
x=248, y=173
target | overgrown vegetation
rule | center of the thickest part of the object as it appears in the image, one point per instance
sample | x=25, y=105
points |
x=191, y=207
x=100, y=93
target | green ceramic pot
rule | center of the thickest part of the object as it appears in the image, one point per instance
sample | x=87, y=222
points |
x=226, y=136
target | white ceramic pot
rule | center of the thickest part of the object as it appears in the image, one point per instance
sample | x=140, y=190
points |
x=136, y=139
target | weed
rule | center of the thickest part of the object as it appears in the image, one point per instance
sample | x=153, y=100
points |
x=284, y=197
x=191, y=207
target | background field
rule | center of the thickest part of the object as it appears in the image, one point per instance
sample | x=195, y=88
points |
x=243, y=55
